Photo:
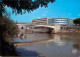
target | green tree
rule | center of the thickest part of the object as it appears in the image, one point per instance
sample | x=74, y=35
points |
x=76, y=21
x=19, y=5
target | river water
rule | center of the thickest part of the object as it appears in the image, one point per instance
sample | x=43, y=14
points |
x=49, y=45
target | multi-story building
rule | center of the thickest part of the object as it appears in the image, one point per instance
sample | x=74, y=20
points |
x=53, y=21
x=61, y=21
x=42, y=21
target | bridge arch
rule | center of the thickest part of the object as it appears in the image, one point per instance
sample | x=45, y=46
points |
x=43, y=28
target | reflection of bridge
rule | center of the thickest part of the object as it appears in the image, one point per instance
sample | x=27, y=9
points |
x=56, y=39
x=46, y=28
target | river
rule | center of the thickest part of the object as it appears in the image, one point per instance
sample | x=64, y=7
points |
x=48, y=45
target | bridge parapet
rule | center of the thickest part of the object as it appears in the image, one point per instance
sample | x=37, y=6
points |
x=44, y=26
x=56, y=28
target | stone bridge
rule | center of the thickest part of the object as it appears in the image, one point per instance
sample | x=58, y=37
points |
x=46, y=28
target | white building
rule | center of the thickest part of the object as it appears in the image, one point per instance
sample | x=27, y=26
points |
x=61, y=21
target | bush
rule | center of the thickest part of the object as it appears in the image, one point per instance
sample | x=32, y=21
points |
x=8, y=28
x=76, y=21
x=8, y=31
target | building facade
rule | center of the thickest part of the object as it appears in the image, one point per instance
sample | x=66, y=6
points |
x=61, y=21
x=53, y=21
x=42, y=21
x=24, y=25
x=21, y=25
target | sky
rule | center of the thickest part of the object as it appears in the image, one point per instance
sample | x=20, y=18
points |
x=59, y=8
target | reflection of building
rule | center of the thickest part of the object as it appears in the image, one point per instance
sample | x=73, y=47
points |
x=42, y=21
x=39, y=37
x=58, y=40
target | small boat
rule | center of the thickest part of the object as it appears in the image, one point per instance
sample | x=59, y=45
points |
x=21, y=35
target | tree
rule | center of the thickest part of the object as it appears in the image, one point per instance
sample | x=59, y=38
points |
x=8, y=29
x=76, y=21
x=19, y=5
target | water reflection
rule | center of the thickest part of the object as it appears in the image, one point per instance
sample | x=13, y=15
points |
x=76, y=46
x=50, y=45
x=33, y=37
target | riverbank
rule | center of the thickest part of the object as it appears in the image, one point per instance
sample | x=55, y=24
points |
x=8, y=49
x=8, y=30
x=70, y=32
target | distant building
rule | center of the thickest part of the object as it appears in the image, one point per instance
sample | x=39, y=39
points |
x=42, y=21
x=53, y=21
x=24, y=25
x=21, y=25
x=61, y=21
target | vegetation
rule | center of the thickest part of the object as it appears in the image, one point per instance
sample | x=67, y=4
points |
x=19, y=5
x=76, y=21
x=8, y=29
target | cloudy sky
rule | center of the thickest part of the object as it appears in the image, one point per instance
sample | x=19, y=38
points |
x=60, y=8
